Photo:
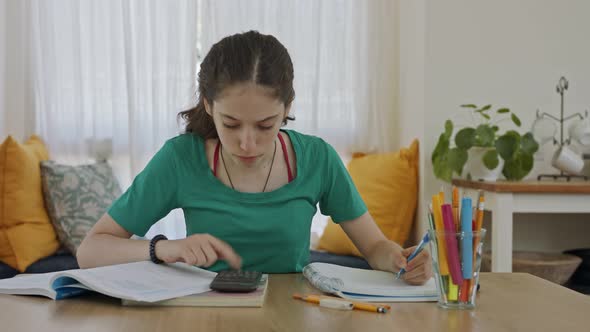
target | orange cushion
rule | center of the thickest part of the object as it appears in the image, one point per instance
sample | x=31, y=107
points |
x=388, y=183
x=26, y=234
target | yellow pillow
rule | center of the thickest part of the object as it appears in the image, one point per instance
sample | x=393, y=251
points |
x=26, y=234
x=388, y=183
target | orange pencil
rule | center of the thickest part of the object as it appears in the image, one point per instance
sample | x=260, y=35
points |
x=476, y=239
x=455, y=205
x=372, y=307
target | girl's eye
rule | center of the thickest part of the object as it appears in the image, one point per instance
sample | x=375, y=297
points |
x=230, y=126
x=265, y=127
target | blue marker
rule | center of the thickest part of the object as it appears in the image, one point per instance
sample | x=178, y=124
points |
x=418, y=249
x=467, y=243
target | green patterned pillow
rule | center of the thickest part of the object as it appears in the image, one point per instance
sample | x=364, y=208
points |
x=76, y=197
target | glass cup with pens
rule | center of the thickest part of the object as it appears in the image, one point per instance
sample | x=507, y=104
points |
x=456, y=241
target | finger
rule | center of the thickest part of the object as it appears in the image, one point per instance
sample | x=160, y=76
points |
x=201, y=260
x=397, y=258
x=210, y=255
x=189, y=257
x=226, y=252
x=418, y=269
x=408, y=251
x=422, y=258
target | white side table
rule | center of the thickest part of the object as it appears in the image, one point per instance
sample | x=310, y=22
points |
x=505, y=198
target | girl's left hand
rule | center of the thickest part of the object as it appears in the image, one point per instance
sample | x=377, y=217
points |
x=419, y=269
x=390, y=256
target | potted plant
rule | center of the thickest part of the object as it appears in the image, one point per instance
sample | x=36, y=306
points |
x=487, y=151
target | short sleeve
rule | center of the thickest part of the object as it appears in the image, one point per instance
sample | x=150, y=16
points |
x=340, y=199
x=151, y=196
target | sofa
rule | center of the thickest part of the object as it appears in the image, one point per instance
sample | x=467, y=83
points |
x=61, y=260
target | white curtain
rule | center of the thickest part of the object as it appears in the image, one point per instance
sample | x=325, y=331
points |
x=345, y=54
x=122, y=69
x=113, y=69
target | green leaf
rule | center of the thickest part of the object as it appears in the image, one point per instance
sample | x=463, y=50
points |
x=448, y=128
x=457, y=158
x=490, y=159
x=507, y=145
x=515, y=119
x=439, y=159
x=519, y=167
x=485, y=135
x=495, y=128
x=528, y=144
x=503, y=110
x=485, y=108
x=442, y=169
x=511, y=170
x=465, y=138
x=469, y=106
x=441, y=149
x=485, y=116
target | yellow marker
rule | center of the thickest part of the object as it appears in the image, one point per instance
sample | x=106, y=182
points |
x=438, y=223
x=453, y=291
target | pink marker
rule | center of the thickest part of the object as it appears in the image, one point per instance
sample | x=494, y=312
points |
x=451, y=242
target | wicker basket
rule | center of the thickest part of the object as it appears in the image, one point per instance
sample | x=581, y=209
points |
x=557, y=268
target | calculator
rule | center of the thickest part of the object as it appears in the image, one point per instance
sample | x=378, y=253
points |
x=236, y=281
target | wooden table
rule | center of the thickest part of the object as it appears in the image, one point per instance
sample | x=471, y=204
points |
x=506, y=302
x=504, y=198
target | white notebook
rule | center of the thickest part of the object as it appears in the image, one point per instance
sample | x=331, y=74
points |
x=366, y=285
x=140, y=281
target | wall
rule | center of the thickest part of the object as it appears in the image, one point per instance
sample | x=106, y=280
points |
x=2, y=67
x=506, y=53
x=15, y=84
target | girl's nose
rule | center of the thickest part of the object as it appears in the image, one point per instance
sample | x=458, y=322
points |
x=247, y=140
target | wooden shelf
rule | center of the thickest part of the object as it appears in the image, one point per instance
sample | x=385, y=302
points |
x=547, y=186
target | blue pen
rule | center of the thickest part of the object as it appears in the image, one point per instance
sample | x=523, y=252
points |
x=418, y=249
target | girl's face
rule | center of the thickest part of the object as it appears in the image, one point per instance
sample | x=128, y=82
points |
x=247, y=118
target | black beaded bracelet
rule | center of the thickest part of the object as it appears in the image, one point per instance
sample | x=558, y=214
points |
x=153, y=241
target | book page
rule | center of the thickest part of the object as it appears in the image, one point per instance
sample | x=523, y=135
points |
x=29, y=284
x=145, y=281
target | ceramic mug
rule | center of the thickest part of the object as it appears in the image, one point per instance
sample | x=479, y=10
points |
x=567, y=160
x=580, y=131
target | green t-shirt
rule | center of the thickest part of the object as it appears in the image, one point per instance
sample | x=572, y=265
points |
x=269, y=230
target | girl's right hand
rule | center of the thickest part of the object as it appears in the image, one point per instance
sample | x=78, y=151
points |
x=197, y=249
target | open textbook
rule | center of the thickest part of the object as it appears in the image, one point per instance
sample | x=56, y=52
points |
x=139, y=281
x=366, y=285
x=213, y=298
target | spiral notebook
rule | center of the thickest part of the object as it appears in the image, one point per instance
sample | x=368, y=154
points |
x=366, y=285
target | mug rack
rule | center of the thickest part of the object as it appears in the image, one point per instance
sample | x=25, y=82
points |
x=562, y=85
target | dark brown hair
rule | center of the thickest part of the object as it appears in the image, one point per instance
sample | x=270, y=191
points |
x=244, y=57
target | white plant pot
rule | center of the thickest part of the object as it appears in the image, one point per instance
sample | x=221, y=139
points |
x=476, y=167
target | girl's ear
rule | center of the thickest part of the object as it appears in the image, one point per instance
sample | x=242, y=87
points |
x=207, y=107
